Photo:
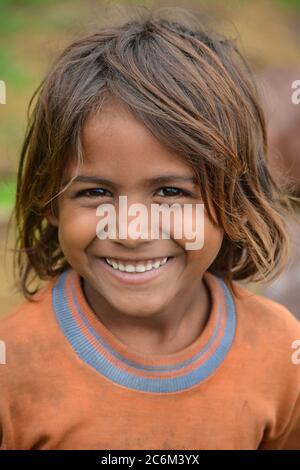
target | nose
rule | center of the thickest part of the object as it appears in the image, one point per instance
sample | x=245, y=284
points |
x=135, y=229
x=131, y=243
x=129, y=223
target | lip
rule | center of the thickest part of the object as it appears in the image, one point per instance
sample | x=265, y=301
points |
x=136, y=278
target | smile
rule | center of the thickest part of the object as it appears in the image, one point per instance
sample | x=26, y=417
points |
x=136, y=266
x=136, y=272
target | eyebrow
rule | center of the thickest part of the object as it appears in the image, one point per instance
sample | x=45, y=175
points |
x=146, y=182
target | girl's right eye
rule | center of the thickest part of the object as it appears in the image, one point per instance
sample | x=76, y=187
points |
x=92, y=192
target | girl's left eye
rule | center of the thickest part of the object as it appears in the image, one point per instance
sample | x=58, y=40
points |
x=92, y=192
x=171, y=191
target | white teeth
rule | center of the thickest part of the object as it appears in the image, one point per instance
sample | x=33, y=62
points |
x=129, y=268
x=156, y=265
x=138, y=268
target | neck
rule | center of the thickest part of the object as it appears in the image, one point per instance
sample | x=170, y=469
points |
x=167, y=332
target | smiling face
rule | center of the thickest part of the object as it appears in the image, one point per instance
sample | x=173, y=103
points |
x=123, y=152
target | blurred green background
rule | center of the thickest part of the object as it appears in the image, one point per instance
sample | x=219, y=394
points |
x=33, y=32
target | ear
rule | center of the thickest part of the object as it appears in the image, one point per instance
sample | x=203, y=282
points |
x=52, y=219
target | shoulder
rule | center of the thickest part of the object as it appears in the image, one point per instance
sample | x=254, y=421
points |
x=265, y=363
x=22, y=317
x=27, y=332
x=270, y=340
x=31, y=360
x=266, y=316
x=268, y=335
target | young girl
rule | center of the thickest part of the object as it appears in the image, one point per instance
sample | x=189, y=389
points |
x=138, y=343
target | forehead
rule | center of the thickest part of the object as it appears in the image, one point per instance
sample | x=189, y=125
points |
x=114, y=140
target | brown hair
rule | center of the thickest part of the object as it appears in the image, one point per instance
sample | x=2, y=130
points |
x=196, y=94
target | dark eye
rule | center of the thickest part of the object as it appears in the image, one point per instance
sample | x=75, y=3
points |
x=172, y=192
x=93, y=192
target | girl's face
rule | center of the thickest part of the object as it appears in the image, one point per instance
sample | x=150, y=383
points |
x=123, y=152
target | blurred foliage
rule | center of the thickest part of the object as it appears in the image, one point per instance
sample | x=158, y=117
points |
x=290, y=3
x=30, y=33
x=33, y=31
x=7, y=194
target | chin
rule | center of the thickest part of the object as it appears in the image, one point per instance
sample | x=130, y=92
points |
x=141, y=309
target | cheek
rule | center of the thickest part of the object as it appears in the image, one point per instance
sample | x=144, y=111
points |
x=195, y=224
x=77, y=228
x=212, y=240
x=213, y=237
x=203, y=258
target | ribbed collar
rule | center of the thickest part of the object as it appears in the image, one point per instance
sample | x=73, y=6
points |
x=153, y=373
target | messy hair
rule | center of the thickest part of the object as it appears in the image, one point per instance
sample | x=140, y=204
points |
x=196, y=94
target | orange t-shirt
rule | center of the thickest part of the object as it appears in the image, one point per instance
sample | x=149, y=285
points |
x=69, y=383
